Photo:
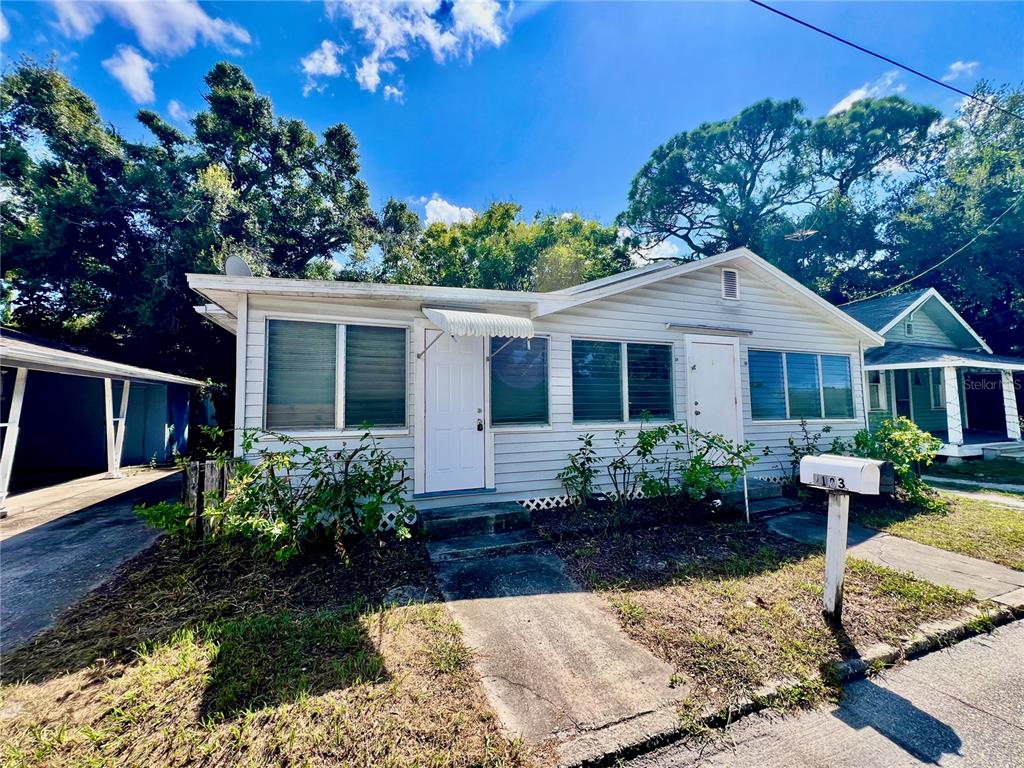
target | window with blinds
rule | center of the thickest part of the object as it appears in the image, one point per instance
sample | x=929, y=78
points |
x=304, y=368
x=375, y=377
x=649, y=368
x=301, y=375
x=596, y=381
x=519, y=381
x=799, y=385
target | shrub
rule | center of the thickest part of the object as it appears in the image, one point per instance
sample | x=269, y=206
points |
x=294, y=493
x=808, y=443
x=172, y=517
x=578, y=475
x=906, y=445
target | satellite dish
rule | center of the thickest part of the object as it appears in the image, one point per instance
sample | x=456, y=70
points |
x=234, y=266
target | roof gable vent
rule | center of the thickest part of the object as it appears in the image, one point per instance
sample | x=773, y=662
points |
x=730, y=284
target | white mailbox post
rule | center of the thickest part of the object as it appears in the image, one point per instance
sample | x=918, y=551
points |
x=840, y=476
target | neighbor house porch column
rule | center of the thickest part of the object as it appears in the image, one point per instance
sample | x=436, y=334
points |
x=954, y=420
x=11, y=436
x=115, y=427
x=1010, y=407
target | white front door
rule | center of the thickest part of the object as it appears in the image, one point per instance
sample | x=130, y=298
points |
x=713, y=388
x=454, y=415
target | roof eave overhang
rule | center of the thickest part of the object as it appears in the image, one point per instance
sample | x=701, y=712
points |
x=931, y=293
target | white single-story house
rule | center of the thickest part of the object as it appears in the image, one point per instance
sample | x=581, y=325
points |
x=65, y=413
x=937, y=371
x=485, y=392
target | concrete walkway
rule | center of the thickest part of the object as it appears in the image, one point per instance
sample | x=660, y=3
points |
x=1005, y=487
x=553, y=659
x=961, y=707
x=988, y=580
x=67, y=543
x=991, y=498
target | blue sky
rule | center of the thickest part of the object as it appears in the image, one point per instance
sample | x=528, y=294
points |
x=552, y=105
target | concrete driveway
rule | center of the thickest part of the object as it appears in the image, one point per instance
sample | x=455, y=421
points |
x=47, y=568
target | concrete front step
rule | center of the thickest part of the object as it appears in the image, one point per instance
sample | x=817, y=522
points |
x=474, y=519
x=765, y=508
x=482, y=545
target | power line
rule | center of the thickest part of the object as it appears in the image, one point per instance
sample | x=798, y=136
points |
x=895, y=63
x=938, y=264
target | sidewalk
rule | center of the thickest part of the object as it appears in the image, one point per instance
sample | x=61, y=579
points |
x=988, y=580
x=1005, y=487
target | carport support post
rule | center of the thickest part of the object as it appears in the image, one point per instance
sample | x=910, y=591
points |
x=954, y=420
x=115, y=427
x=835, y=553
x=1010, y=406
x=11, y=437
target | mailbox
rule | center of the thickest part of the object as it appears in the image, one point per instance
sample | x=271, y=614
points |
x=848, y=474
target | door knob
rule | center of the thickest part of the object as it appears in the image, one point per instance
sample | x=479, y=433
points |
x=696, y=413
x=479, y=425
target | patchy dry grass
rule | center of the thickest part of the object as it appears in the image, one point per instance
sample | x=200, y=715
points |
x=213, y=658
x=994, y=471
x=733, y=607
x=982, y=529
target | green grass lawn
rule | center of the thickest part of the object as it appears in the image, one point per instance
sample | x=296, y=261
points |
x=733, y=607
x=982, y=529
x=212, y=658
x=995, y=471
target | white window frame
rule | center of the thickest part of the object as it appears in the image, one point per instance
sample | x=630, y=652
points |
x=789, y=419
x=522, y=426
x=878, y=386
x=624, y=373
x=940, y=404
x=341, y=352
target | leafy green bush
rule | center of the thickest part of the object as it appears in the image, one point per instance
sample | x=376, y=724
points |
x=808, y=443
x=294, y=493
x=171, y=516
x=578, y=475
x=906, y=445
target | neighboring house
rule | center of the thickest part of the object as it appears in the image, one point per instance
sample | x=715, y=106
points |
x=937, y=371
x=66, y=414
x=485, y=392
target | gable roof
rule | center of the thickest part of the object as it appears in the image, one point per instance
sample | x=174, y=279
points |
x=876, y=314
x=223, y=291
x=883, y=314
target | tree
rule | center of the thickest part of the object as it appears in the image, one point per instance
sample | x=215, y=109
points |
x=98, y=232
x=496, y=249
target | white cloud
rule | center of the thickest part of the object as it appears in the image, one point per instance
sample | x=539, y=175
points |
x=392, y=93
x=5, y=29
x=163, y=27
x=131, y=69
x=323, y=62
x=397, y=30
x=440, y=210
x=886, y=85
x=666, y=249
x=177, y=111
x=958, y=68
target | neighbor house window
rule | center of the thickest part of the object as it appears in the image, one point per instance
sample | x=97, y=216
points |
x=937, y=386
x=619, y=381
x=799, y=385
x=876, y=391
x=301, y=375
x=306, y=361
x=519, y=381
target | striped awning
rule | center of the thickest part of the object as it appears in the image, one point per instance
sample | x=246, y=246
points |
x=459, y=322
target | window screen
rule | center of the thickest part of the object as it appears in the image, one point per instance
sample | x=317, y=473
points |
x=375, y=379
x=837, y=386
x=301, y=371
x=596, y=381
x=803, y=387
x=519, y=381
x=649, y=369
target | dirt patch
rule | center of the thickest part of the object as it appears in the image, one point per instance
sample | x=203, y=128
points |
x=734, y=606
x=211, y=656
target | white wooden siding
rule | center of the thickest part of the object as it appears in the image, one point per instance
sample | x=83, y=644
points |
x=528, y=459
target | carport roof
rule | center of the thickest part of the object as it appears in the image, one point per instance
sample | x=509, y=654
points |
x=20, y=350
x=897, y=355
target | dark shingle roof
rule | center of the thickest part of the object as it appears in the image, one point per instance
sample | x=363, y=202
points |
x=877, y=313
x=895, y=354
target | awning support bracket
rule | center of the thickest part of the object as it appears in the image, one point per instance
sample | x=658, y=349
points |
x=419, y=355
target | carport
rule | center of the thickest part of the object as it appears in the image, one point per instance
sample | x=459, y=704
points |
x=20, y=354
